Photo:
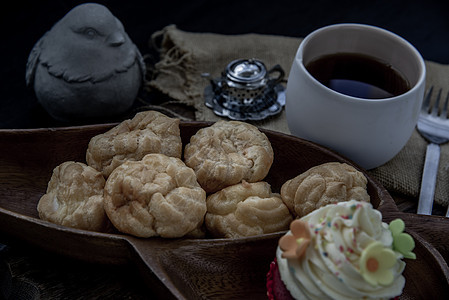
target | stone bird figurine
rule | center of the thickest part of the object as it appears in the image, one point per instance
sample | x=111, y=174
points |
x=85, y=66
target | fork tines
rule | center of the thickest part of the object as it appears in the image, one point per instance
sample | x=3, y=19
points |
x=435, y=109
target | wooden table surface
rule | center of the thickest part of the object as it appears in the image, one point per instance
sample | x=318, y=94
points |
x=58, y=277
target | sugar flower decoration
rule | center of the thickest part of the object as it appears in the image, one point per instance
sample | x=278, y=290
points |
x=402, y=242
x=376, y=262
x=295, y=245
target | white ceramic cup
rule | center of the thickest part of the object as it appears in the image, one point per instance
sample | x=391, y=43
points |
x=369, y=132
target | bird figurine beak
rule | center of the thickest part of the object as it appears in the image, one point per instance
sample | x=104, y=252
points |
x=115, y=39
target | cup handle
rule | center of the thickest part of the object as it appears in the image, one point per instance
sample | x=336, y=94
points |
x=276, y=69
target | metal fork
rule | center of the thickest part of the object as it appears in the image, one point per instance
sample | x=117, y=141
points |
x=434, y=128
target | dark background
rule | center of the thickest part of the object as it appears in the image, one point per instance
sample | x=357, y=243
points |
x=423, y=23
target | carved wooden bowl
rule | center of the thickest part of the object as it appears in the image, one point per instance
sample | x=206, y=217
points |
x=181, y=268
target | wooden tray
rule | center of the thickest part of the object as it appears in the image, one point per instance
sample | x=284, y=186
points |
x=181, y=268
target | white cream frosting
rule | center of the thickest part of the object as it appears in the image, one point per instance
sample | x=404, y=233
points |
x=330, y=268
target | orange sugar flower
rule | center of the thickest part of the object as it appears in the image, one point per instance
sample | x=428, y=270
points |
x=295, y=245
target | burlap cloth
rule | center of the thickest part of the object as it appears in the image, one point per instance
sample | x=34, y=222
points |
x=185, y=57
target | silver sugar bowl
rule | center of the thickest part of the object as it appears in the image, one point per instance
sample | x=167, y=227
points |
x=246, y=91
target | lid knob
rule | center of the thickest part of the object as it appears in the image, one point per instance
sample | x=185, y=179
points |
x=246, y=71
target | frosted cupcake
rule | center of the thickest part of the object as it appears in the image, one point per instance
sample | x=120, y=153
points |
x=341, y=251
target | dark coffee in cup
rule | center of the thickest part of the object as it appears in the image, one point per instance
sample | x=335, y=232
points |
x=358, y=75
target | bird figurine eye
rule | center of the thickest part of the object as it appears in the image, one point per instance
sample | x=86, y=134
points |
x=90, y=32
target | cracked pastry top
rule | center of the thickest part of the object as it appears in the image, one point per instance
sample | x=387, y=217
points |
x=156, y=196
x=148, y=132
x=324, y=184
x=246, y=209
x=74, y=198
x=228, y=152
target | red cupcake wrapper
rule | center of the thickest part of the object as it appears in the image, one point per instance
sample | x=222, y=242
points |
x=276, y=289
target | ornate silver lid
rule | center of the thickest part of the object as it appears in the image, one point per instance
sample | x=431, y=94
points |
x=247, y=72
x=245, y=91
